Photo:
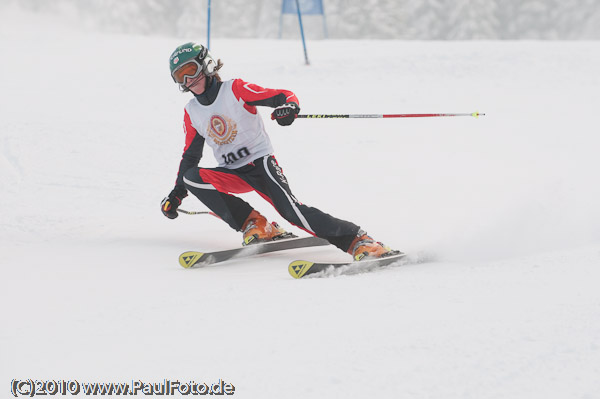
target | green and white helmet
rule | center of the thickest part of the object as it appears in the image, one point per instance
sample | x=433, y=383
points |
x=191, y=59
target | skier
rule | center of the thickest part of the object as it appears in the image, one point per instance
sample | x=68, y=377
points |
x=223, y=115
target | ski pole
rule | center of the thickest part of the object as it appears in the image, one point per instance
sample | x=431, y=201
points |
x=319, y=116
x=197, y=212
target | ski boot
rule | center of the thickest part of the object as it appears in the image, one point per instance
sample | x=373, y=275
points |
x=256, y=229
x=364, y=247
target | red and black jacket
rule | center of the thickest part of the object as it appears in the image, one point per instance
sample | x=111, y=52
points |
x=251, y=94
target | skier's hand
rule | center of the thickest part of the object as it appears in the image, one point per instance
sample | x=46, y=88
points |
x=169, y=205
x=286, y=114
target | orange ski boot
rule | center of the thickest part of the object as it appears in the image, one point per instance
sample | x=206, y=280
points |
x=257, y=229
x=364, y=247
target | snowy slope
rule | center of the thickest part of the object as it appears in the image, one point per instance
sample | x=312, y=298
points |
x=90, y=140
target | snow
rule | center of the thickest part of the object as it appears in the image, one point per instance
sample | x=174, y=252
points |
x=91, y=138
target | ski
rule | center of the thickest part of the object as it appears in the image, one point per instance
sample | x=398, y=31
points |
x=192, y=259
x=303, y=268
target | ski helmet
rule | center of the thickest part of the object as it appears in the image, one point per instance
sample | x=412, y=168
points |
x=192, y=53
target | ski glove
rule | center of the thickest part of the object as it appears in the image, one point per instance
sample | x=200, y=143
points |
x=285, y=114
x=169, y=205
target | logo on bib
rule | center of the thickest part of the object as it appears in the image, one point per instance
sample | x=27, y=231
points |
x=222, y=130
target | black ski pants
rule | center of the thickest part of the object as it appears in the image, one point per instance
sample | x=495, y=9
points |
x=214, y=186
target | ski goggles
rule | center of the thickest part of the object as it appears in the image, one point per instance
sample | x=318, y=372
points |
x=190, y=69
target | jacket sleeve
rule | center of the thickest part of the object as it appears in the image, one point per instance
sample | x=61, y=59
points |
x=192, y=152
x=253, y=95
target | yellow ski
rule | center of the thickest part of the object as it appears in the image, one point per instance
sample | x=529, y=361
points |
x=303, y=268
x=190, y=258
x=193, y=259
x=299, y=268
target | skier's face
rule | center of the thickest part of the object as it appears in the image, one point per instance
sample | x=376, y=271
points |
x=196, y=85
